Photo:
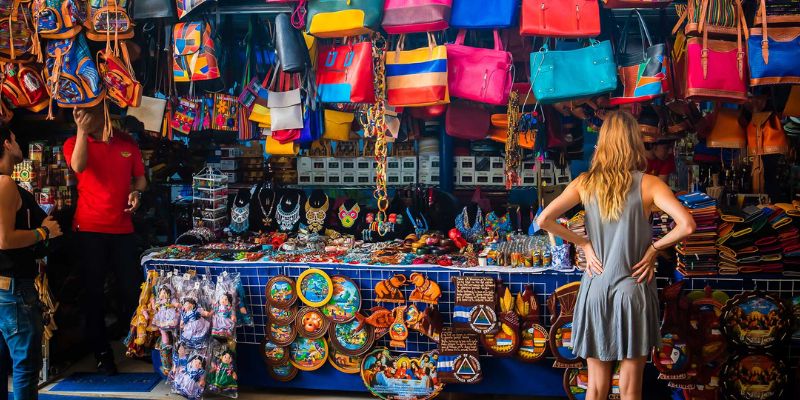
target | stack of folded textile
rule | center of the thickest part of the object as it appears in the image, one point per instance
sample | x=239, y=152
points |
x=789, y=239
x=662, y=223
x=697, y=254
x=577, y=224
x=755, y=239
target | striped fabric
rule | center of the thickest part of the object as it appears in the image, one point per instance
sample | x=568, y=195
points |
x=445, y=363
x=417, y=77
x=461, y=313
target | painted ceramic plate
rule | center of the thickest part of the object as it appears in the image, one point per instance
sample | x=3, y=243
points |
x=576, y=382
x=282, y=373
x=345, y=302
x=308, y=354
x=345, y=363
x=672, y=359
x=533, y=345
x=755, y=320
x=562, y=338
x=754, y=376
x=311, y=323
x=281, y=316
x=281, y=335
x=347, y=338
x=399, y=376
x=281, y=291
x=314, y=287
x=272, y=353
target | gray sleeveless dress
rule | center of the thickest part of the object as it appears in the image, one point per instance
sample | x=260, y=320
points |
x=615, y=317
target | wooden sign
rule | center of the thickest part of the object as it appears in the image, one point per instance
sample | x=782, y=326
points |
x=458, y=357
x=475, y=305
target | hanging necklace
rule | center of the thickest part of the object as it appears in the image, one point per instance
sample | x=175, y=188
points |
x=315, y=216
x=240, y=216
x=471, y=233
x=420, y=223
x=266, y=216
x=349, y=217
x=286, y=220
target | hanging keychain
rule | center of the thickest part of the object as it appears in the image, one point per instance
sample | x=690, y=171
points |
x=375, y=127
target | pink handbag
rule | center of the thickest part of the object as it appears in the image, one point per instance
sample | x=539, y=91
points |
x=411, y=16
x=716, y=70
x=482, y=75
x=468, y=121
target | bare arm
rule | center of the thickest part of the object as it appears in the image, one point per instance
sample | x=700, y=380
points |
x=140, y=183
x=10, y=202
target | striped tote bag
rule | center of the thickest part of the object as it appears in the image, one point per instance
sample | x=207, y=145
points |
x=416, y=78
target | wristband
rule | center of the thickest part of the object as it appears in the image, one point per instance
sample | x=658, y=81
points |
x=38, y=234
x=654, y=247
x=46, y=231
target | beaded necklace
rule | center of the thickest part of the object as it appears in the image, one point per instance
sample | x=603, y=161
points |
x=315, y=216
x=266, y=216
x=349, y=217
x=286, y=220
x=240, y=216
x=474, y=232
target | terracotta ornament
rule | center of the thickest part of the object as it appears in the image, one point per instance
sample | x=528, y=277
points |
x=426, y=290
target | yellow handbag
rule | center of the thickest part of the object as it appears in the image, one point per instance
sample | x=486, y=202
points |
x=311, y=44
x=260, y=114
x=337, y=125
x=276, y=148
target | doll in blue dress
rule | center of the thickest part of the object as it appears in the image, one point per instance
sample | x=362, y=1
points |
x=194, y=327
x=191, y=381
x=223, y=321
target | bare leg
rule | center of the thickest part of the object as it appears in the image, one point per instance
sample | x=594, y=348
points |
x=599, y=379
x=630, y=378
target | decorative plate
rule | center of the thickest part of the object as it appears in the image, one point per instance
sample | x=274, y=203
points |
x=561, y=342
x=345, y=302
x=282, y=373
x=281, y=291
x=281, y=316
x=756, y=320
x=533, y=344
x=350, y=339
x=672, y=359
x=345, y=363
x=272, y=353
x=308, y=354
x=314, y=287
x=281, y=335
x=310, y=323
x=705, y=319
x=576, y=382
x=754, y=376
x=400, y=376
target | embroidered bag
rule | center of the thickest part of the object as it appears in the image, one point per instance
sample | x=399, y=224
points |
x=121, y=85
x=23, y=86
x=642, y=73
x=72, y=77
x=108, y=18
x=16, y=37
x=193, y=52
x=225, y=111
x=58, y=19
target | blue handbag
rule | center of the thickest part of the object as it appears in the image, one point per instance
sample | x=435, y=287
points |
x=471, y=14
x=573, y=74
x=774, y=61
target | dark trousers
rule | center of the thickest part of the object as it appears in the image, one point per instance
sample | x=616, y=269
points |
x=99, y=254
x=21, y=339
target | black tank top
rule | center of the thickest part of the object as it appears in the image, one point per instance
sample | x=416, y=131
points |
x=21, y=263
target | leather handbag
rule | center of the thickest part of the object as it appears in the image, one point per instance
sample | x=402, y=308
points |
x=108, y=20
x=117, y=73
x=284, y=136
x=482, y=75
x=499, y=132
x=193, y=54
x=792, y=108
x=777, y=12
x=773, y=55
x=727, y=132
x=559, y=18
x=636, y=3
x=468, y=121
x=285, y=105
x=410, y=16
x=765, y=135
x=22, y=86
x=715, y=70
x=290, y=46
x=340, y=18
x=721, y=17
x=337, y=125
x=417, y=77
x=276, y=148
x=560, y=75
x=345, y=73
x=643, y=71
x=476, y=14
x=153, y=9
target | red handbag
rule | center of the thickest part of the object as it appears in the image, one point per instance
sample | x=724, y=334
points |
x=117, y=73
x=344, y=73
x=469, y=121
x=636, y=3
x=560, y=18
x=482, y=75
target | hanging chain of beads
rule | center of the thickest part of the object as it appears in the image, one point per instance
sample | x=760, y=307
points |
x=376, y=128
x=513, y=151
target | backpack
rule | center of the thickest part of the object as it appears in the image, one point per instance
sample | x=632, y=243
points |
x=16, y=37
x=108, y=19
x=117, y=73
x=58, y=19
x=73, y=80
x=22, y=86
x=193, y=55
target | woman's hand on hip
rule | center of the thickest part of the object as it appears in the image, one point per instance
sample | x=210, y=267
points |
x=645, y=269
x=593, y=264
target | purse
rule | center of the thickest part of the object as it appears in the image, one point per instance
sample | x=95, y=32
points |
x=474, y=14
x=499, y=132
x=150, y=112
x=72, y=77
x=340, y=18
x=642, y=75
x=285, y=105
x=558, y=76
x=721, y=17
x=635, y=4
x=337, y=125
x=276, y=148
x=467, y=121
x=557, y=18
x=290, y=46
x=411, y=16
x=108, y=20
x=345, y=73
x=418, y=77
x=773, y=54
x=193, y=54
x=765, y=135
x=23, y=87
x=117, y=73
x=153, y=9
x=482, y=75
x=16, y=38
x=727, y=132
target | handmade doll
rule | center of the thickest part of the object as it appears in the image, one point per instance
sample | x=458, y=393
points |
x=222, y=378
x=194, y=328
x=190, y=381
x=180, y=358
x=224, y=318
x=167, y=317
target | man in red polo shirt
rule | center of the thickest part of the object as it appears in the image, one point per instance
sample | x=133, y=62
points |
x=110, y=184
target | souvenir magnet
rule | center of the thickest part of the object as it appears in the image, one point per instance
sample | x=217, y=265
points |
x=458, y=357
x=310, y=323
x=505, y=342
x=754, y=376
x=561, y=330
x=281, y=291
x=389, y=376
x=344, y=363
x=281, y=335
x=426, y=290
x=308, y=354
x=272, y=353
x=314, y=287
x=533, y=336
x=398, y=331
x=281, y=316
x=388, y=290
x=282, y=373
x=475, y=304
x=345, y=302
x=755, y=320
x=351, y=338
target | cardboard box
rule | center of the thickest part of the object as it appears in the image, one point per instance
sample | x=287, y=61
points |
x=427, y=163
x=318, y=178
x=497, y=164
x=333, y=165
x=483, y=178
x=318, y=164
x=408, y=178
x=408, y=164
x=348, y=178
x=304, y=178
x=465, y=163
x=304, y=165
x=483, y=164
x=233, y=177
x=229, y=152
x=228, y=164
x=333, y=177
x=348, y=164
x=392, y=178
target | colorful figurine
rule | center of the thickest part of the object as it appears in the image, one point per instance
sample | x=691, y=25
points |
x=426, y=291
x=388, y=290
x=222, y=376
x=224, y=319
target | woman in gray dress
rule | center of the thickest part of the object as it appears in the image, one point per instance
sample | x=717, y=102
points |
x=616, y=315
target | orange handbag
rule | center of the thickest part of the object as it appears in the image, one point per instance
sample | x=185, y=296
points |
x=560, y=18
x=499, y=132
x=727, y=132
x=765, y=135
x=792, y=108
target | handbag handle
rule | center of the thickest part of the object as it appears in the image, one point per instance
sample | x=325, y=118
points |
x=644, y=34
x=739, y=30
x=402, y=41
x=498, y=44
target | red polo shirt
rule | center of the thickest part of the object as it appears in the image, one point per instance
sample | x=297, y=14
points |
x=104, y=186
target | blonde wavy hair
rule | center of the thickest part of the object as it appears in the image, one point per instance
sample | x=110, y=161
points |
x=619, y=153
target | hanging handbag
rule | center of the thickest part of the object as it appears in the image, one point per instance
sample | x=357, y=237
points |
x=773, y=54
x=721, y=17
x=121, y=85
x=224, y=117
x=337, y=125
x=276, y=148
x=636, y=3
x=339, y=18
x=792, y=108
x=573, y=74
x=150, y=112
x=108, y=20
x=765, y=135
x=290, y=46
x=727, y=132
x=642, y=74
x=285, y=105
x=58, y=19
x=418, y=77
x=193, y=54
x=482, y=75
x=468, y=121
x=185, y=7
x=22, y=86
x=411, y=16
x=476, y=14
x=777, y=12
x=17, y=41
x=72, y=76
x=499, y=132
x=557, y=18
x=153, y=9
x=345, y=73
